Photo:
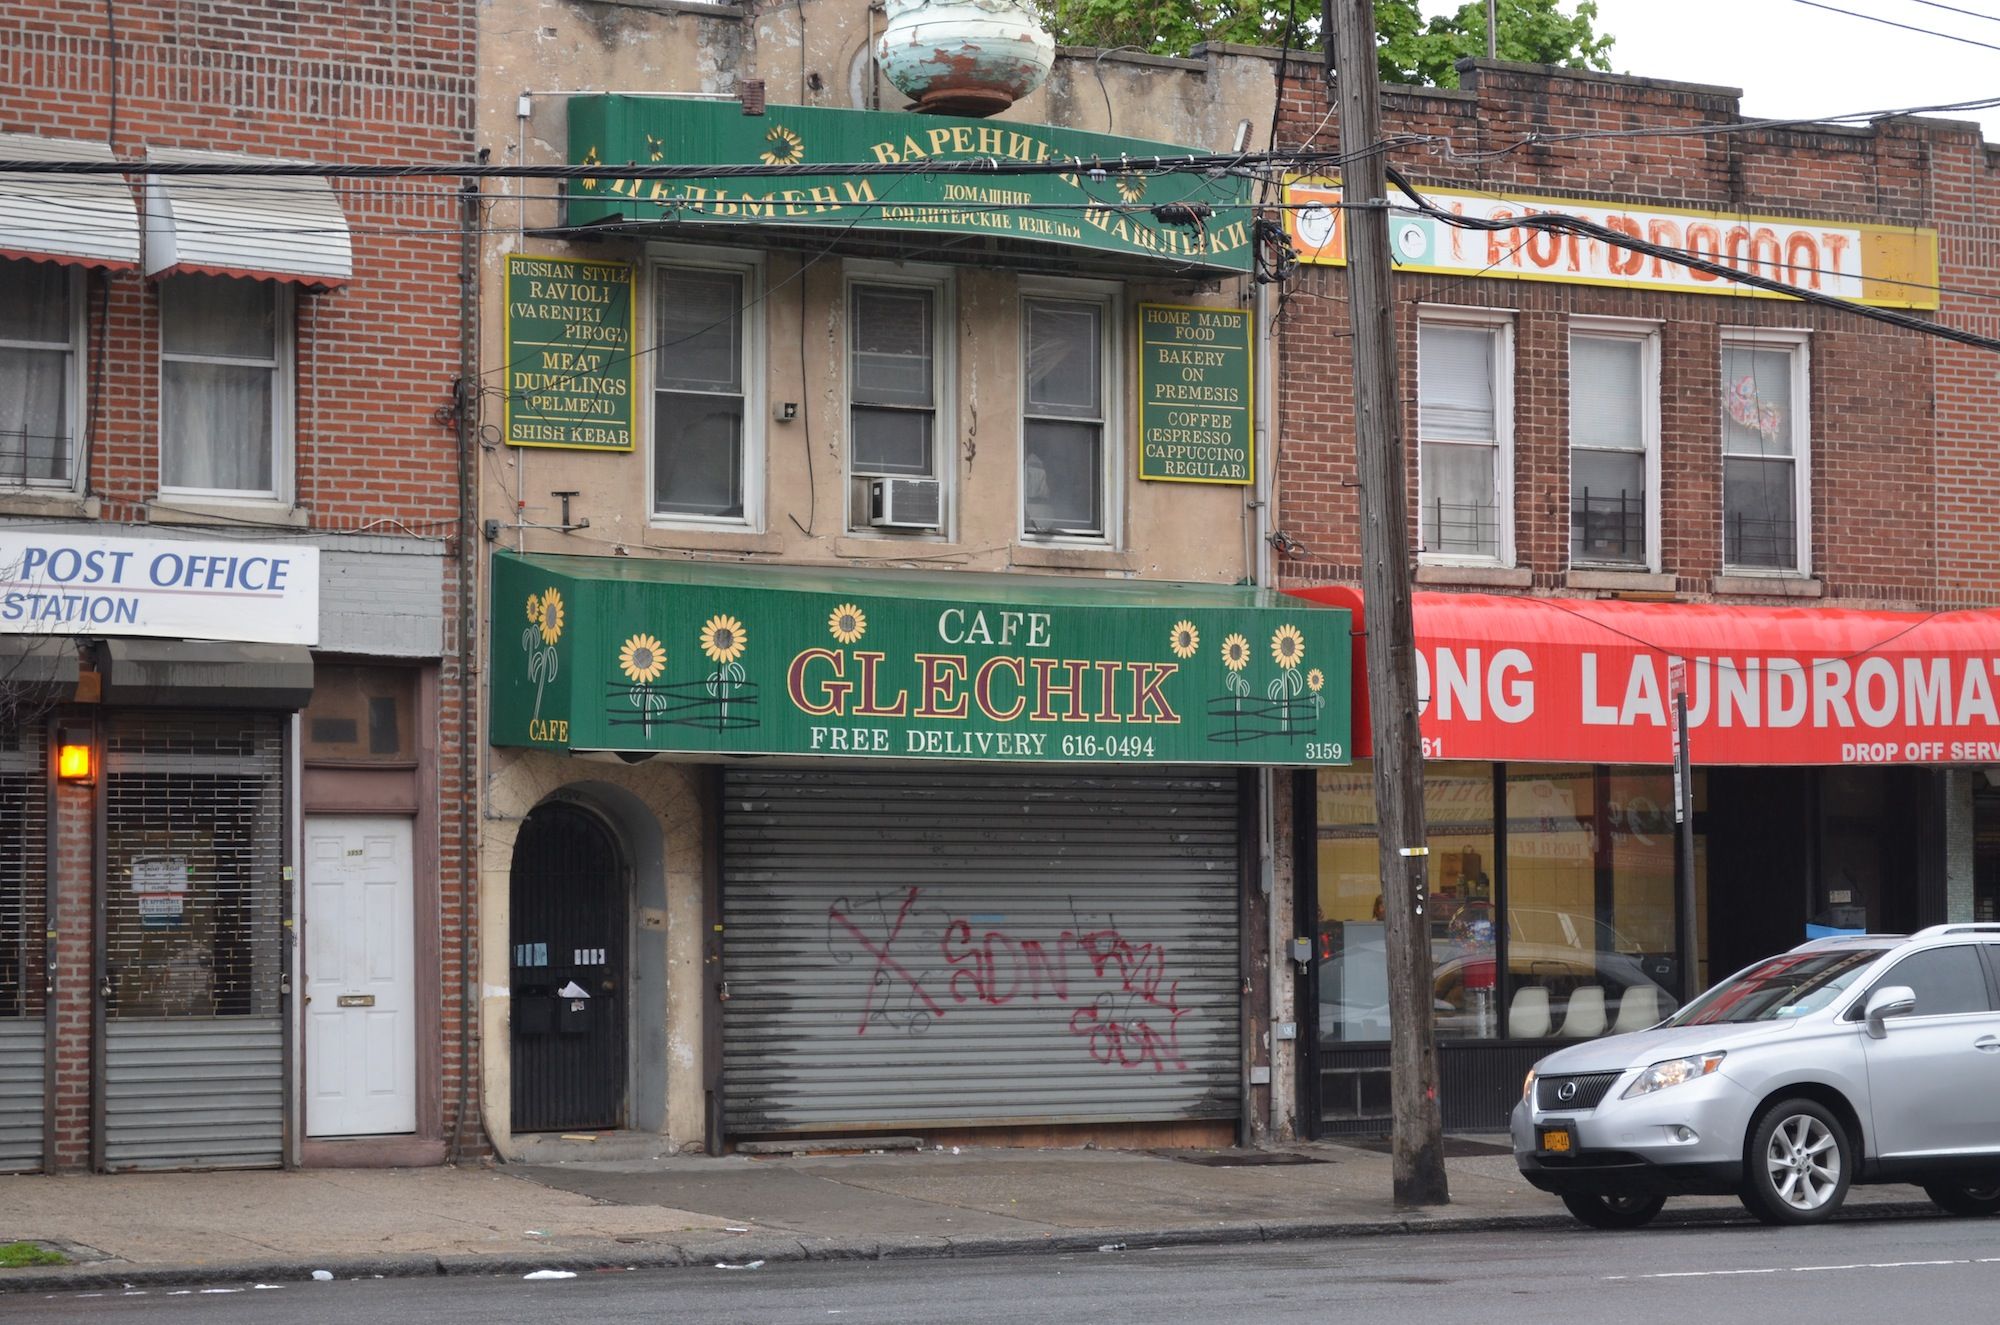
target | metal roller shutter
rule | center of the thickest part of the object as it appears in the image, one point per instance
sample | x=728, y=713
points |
x=193, y=941
x=24, y=800
x=965, y=947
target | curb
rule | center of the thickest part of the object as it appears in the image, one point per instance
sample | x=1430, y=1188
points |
x=782, y=1250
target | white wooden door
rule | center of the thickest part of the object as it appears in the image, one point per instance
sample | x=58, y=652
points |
x=360, y=977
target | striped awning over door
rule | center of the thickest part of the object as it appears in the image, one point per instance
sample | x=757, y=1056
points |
x=966, y=947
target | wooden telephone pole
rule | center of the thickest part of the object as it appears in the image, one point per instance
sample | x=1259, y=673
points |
x=1418, y=1141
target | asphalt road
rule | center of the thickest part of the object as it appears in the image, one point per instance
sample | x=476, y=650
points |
x=1861, y=1270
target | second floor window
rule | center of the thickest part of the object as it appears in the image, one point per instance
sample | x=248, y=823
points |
x=38, y=328
x=1062, y=418
x=1764, y=440
x=1613, y=421
x=1464, y=437
x=699, y=392
x=222, y=350
x=893, y=380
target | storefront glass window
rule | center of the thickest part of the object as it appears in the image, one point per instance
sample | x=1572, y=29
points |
x=1986, y=846
x=1590, y=900
x=1353, y=986
x=1589, y=938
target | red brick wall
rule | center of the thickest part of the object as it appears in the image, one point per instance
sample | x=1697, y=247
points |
x=73, y=863
x=338, y=81
x=1899, y=418
x=370, y=82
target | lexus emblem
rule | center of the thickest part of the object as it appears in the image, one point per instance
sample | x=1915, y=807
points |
x=1566, y=1091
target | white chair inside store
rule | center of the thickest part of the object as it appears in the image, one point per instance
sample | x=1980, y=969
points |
x=1637, y=1009
x=1528, y=1014
x=1585, y=1017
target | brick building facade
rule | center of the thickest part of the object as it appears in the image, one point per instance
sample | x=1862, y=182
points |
x=1614, y=461
x=231, y=396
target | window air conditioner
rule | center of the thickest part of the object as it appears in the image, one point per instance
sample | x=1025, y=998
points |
x=905, y=503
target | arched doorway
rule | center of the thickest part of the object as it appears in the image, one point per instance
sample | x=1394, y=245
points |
x=566, y=930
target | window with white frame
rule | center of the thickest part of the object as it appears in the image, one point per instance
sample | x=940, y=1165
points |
x=225, y=379
x=1465, y=438
x=701, y=388
x=1765, y=447
x=1614, y=428
x=894, y=389
x=41, y=321
x=1064, y=463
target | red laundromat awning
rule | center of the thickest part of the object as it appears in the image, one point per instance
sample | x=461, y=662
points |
x=1585, y=681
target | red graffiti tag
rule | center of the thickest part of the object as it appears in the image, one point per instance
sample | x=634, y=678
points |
x=1131, y=1025
x=885, y=962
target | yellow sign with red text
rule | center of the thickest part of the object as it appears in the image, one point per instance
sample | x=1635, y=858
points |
x=1886, y=266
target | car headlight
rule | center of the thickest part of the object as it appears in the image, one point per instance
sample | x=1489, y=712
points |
x=1672, y=1073
x=1528, y=1084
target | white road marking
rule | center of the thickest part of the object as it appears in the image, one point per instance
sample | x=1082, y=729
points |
x=1799, y=1269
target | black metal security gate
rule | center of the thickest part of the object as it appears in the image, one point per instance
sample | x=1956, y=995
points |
x=567, y=918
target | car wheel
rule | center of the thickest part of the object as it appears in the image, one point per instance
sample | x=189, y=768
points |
x=1615, y=1211
x=1797, y=1165
x=1963, y=1198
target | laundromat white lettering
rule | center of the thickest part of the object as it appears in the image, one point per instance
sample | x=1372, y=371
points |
x=1887, y=710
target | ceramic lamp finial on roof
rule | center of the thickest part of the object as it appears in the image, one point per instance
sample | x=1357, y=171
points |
x=964, y=57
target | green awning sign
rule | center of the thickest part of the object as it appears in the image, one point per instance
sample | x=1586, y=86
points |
x=615, y=654
x=1195, y=395
x=1102, y=205
x=569, y=364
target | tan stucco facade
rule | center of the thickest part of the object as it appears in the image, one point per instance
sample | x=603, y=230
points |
x=536, y=54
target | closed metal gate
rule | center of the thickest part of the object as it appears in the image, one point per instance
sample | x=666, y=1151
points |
x=566, y=931
x=24, y=855
x=192, y=942
x=967, y=947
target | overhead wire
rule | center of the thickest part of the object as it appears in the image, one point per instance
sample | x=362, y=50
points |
x=1567, y=224
x=1267, y=168
x=1890, y=22
x=1954, y=9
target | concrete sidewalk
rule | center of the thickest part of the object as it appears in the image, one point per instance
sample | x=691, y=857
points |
x=605, y=1213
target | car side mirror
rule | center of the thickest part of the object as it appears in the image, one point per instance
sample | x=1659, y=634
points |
x=1889, y=1001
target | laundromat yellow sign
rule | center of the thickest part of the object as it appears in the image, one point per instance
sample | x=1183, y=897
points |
x=1885, y=266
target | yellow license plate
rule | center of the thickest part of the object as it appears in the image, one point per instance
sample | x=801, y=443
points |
x=1556, y=1140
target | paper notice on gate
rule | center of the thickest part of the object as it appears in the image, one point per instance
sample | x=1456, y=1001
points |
x=159, y=874
x=572, y=990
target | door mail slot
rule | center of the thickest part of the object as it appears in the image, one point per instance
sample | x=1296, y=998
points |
x=357, y=1000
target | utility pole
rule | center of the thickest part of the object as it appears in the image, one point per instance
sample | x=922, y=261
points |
x=1417, y=1143
x=1492, y=31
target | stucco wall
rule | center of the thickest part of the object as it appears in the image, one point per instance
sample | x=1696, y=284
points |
x=533, y=55
x=652, y=809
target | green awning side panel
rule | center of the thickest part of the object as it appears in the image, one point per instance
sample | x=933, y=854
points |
x=624, y=655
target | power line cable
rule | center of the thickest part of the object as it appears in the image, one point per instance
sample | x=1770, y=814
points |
x=616, y=171
x=1892, y=23
x=1711, y=130
x=113, y=221
x=1969, y=13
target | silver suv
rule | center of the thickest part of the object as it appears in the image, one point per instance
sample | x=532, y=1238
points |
x=1869, y=1058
